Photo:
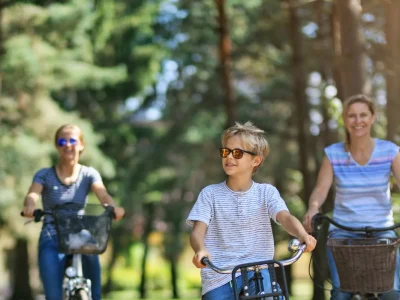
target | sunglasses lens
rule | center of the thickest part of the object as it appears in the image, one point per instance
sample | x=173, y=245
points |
x=72, y=141
x=224, y=152
x=237, y=153
x=61, y=142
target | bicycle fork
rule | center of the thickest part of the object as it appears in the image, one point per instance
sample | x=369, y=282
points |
x=74, y=280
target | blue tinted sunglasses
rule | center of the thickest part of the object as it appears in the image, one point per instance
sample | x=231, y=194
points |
x=61, y=142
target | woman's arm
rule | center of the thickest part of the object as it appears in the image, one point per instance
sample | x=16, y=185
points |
x=294, y=228
x=396, y=168
x=104, y=197
x=320, y=192
x=31, y=198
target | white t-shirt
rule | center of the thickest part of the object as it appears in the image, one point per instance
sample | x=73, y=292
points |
x=239, y=228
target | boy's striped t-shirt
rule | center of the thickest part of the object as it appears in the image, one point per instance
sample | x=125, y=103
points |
x=363, y=191
x=238, y=227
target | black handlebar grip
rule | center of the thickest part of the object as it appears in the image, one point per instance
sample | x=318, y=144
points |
x=204, y=260
x=37, y=215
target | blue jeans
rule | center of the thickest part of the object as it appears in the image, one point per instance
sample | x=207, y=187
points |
x=336, y=293
x=225, y=292
x=51, y=268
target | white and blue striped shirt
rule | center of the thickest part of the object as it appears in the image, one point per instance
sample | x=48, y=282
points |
x=363, y=191
x=239, y=229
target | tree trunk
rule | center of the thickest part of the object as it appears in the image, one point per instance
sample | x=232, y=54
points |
x=353, y=57
x=392, y=11
x=174, y=279
x=226, y=61
x=116, y=244
x=149, y=212
x=301, y=103
x=21, y=283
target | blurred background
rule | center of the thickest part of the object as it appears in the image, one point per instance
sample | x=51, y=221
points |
x=153, y=83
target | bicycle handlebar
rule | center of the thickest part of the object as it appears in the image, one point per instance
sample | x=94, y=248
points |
x=39, y=213
x=294, y=246
x=319, y=218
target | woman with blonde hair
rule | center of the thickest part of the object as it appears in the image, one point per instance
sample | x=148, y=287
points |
x=66, y=182
x=360, y=167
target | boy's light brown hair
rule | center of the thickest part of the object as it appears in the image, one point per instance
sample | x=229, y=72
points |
x=253, y=138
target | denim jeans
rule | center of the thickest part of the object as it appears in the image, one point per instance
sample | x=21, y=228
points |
x=51, y=268
x=336, y=293
x=225, y=292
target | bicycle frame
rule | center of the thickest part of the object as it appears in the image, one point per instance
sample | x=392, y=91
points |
x=74, y=280
x=256, y=267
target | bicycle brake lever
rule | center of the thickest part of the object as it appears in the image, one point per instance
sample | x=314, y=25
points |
x=27, y=222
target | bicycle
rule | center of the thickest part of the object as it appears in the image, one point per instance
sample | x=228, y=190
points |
x=79, y=231
x=294, y=246
x=364, y=280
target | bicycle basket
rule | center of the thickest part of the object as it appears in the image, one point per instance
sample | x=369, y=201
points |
x=365, y=265
x=84, y=231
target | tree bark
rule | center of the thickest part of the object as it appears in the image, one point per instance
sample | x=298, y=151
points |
x=392, y=27
x=147, y=230
x=225, y=48
x=353, y=57
x=21, y=281
x=301, y=103
x=303, y=123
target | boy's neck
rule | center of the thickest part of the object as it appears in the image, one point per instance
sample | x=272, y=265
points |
x=239, y=185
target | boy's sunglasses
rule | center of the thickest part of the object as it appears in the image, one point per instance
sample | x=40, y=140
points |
x=61, y=142
x=236, y=153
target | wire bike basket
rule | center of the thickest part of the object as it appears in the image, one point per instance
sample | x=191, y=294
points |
x=84, y=231
x=365, y=265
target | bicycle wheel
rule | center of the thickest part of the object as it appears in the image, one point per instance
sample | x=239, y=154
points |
x=80, y=295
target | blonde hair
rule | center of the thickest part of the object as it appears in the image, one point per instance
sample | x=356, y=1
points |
x=253, y=138
x=69, y=126
x=346, y=106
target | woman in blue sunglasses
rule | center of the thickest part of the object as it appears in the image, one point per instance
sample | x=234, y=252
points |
x=66, y=182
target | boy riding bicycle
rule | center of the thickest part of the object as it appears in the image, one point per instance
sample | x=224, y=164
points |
x=231, y=220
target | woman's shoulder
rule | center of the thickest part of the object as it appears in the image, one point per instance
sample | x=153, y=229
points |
x=336, y=147
x=44, y=171
x=88, y=170
x=385, y=143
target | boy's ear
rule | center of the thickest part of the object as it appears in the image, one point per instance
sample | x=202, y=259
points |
x=257, y=160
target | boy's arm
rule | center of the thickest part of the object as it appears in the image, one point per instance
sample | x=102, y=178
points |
x=197, y=243
x=294, y=228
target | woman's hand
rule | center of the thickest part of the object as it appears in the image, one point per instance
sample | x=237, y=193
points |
x=119, y=213
x=307, y=220
x=28, y=210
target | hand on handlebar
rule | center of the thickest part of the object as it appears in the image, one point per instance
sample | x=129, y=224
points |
x=198, y=256
x=119, y=213
x=28, y=211
x=307, y=220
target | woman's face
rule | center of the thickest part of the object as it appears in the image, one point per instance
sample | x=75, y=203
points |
x=69, y=144
x=359, y=119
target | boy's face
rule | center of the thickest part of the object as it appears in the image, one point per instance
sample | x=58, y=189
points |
x=239, y=167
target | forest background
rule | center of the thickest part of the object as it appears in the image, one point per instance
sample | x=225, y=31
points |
x=153, y=83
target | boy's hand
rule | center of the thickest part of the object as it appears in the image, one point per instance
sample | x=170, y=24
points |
x=198, y=256
x=310, y=241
